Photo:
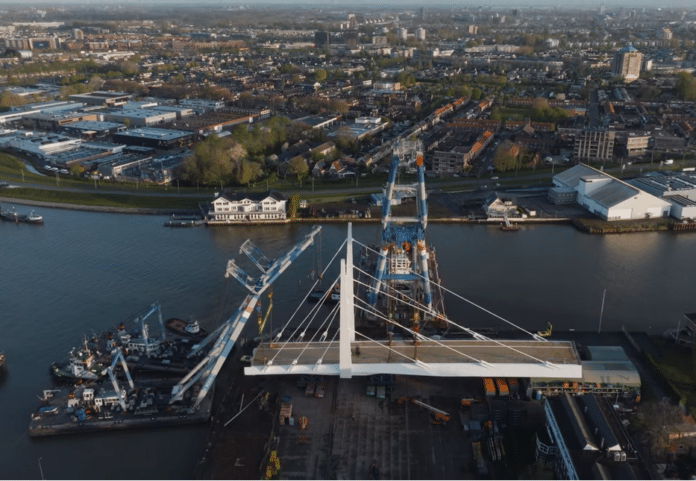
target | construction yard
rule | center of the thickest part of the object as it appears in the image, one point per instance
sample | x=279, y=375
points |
x=354, y=433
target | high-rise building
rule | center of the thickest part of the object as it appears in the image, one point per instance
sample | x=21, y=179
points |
x=473, y=29
x=352, y=22
x=420, y=34
x=627, y=63
x=402, y=34
x=350, y=38
x=666, y=34
x=421, y=14
x=321, y=39
x=77, y=34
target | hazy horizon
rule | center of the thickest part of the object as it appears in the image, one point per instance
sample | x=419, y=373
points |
x=364, y=4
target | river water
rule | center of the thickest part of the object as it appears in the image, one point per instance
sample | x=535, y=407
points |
x=84, y=272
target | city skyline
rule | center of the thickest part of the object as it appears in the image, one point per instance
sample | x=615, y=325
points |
x=364, y=4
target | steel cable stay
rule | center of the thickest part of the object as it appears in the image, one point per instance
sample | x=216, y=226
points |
x=536, y=337
x=374, y=311
x=310, y=290
x=476, y=335
x=331, y=315
x=386, y=346
x=314, y=311
x=321, y=359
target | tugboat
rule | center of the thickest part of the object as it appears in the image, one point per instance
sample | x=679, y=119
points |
x=190, y=329
x=31, y=218
x=80, y=365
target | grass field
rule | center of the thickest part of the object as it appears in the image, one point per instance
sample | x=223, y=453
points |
x=106, y=200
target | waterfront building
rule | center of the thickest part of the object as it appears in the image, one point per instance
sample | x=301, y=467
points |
x=608, y=197
x=245, y=207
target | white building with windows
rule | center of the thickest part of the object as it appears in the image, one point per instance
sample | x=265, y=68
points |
x=248, y=207
x=608, y=197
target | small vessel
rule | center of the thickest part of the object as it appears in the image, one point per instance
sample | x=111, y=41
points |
x=2, y=361
x=183, y=221
x=81, y=364
x=13, y=216
x=190, y=329
x=316, y=296
x=31, y=218
x=335, y=294
x=9, y=215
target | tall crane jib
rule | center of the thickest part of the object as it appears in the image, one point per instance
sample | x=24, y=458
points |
x=226, y=336
x=403, y=256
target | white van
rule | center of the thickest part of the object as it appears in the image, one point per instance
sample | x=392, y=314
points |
x=669, y=161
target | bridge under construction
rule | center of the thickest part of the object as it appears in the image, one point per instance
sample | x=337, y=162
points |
x=399, y=295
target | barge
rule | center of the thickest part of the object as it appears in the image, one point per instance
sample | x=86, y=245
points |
x=87, y=408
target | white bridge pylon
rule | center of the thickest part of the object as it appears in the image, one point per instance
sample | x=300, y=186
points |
x=349, y=356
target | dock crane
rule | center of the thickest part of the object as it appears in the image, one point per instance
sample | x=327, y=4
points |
x=404, y=237
x=119, y=357
x=208, y=368
x=151, y=346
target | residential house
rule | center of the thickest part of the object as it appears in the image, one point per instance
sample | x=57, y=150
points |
x=496, y=206
x=248, y=207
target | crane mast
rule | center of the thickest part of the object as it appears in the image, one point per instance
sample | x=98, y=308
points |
x=403, y=255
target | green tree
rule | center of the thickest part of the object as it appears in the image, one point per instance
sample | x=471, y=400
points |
x=320, y=75
x=76, y=170
x=686, y=86
x=211, y=161
x=298, y=166
x=9, y=99
x=506, y=157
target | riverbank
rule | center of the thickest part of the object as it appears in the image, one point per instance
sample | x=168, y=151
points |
x=599, y=226
x=583, y=224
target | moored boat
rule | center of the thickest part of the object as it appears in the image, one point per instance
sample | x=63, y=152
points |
x=82, y=364
x=13, y=216
x=190, y=329
x=31, y=218
x=316, y=296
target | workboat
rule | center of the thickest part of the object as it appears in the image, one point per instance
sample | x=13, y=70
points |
x=31, y=218
x=12, y=216
x=190, y=329
x=82, y=364
x=316, y=295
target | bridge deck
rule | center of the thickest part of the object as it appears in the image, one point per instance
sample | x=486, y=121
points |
x=439, y=358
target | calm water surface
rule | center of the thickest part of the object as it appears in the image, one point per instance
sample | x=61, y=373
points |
x=84, y=272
